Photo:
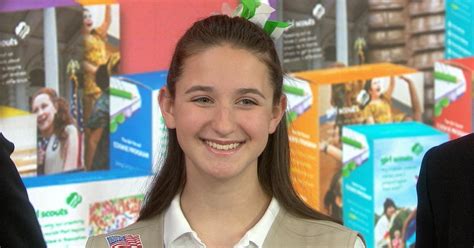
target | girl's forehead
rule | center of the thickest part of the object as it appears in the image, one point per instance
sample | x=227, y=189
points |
x=377, y=80
x=43, y=97
x=225, y=66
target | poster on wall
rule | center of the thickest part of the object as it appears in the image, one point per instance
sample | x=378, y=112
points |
x=311, y=42
x=37, y=79
x=80, y=210
x=55, y=65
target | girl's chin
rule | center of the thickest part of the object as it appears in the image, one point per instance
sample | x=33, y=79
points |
x=43, y=129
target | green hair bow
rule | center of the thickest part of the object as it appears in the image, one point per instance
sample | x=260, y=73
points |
x=258, y=13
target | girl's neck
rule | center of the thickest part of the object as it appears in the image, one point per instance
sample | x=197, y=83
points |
x=222, y=212
x=375, y=96
x=47, y=133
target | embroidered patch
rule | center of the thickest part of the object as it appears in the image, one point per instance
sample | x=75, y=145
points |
x=124, y=241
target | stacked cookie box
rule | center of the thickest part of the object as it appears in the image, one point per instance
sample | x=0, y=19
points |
x=425, y=44
x=387, y=34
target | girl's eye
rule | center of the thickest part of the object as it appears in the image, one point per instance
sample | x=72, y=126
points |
x=247, y=101
x=202, y=100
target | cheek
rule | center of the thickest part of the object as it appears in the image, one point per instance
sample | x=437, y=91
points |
x=256, y=123
x=188, y=120
x=52, y=112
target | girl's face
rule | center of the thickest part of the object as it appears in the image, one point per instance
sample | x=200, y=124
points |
x=375, y=87
x=45, y=110
x=223, y=112
x=397, y=234
x=87, y=20
x=390, y=211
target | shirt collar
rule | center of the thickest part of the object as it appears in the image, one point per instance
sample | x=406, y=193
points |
x=258, y=233
x=176, y=225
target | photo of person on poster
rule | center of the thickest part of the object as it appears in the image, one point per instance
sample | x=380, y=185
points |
x=377, y=107
x=98, y=125
x=395, y=227
x=59, y=148
x=97, y=52
x=101, y=51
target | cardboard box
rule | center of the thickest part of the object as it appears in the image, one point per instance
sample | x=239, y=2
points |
x=321, y=102
x=459, y=29
x=138, y=134
x=380, y=172
x=454, y=112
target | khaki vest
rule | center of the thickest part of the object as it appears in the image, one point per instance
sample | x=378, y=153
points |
x=286, y=231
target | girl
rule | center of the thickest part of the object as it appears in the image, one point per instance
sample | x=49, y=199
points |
x=378, y=109
x=225, y=180
x=58, y=141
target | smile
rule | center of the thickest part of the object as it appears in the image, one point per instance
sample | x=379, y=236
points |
x=223, y=147
x=41, y=119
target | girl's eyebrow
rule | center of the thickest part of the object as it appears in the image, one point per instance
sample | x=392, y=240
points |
x=199, y=88
x=243, y=91
x=240, y=91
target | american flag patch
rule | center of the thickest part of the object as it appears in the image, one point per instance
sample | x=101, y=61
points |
x=124, y=241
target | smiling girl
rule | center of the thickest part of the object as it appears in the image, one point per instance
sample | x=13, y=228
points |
x=225, y=181
x=58, y=141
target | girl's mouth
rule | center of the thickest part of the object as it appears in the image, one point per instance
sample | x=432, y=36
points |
x=223, y=147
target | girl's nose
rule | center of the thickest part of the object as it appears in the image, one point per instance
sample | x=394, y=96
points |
x=223, y=121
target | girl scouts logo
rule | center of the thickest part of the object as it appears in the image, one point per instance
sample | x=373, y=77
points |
x=124, y=241
x=74, y=199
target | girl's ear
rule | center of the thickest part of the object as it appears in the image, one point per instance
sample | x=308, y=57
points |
x=165, y=100
x=278, y=111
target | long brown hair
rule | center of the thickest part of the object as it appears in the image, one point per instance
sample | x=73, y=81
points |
x=274, y=162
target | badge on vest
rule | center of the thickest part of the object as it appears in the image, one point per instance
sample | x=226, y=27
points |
x=124, y=241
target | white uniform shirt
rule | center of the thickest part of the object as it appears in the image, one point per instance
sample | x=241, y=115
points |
x=54, y=162
x=178, y=232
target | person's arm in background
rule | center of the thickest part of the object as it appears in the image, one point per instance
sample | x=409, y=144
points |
x=415, y=101
x=19, y=226
x=391, y=87
x=332, y=150
x=104, y=26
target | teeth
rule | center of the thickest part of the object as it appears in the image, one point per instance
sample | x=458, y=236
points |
x=222, y=147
